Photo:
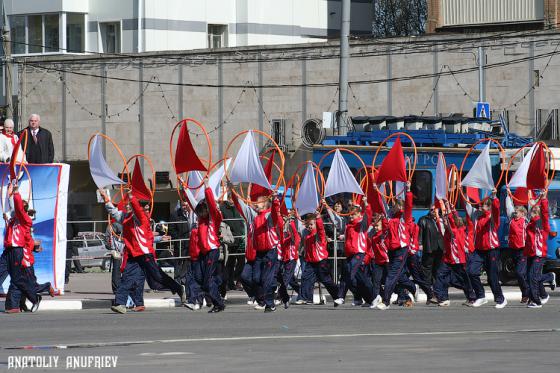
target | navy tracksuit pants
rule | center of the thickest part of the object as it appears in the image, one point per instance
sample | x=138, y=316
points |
x=397, y=261
x=414, y=268
x=15, y=296
x=132, y=283
x=21, y=279
x=520, y=262
x=250, y=276
x=314, y=272
x=536, y=279
x=489, y=260
x=348, y=279
x=286, y=278
x=194, y=282
x=267, y=268
x=3, y=267
x=210, y=279
x=454, y=275
x=378, y=276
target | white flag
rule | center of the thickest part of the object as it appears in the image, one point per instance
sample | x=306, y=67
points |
x=307, y=199
x=519, y=178
x=215, y=180
x=441, y=178
x=480, y=175
x=101, y=173
x=341, y=179
x=194, y=179
x=247, y=167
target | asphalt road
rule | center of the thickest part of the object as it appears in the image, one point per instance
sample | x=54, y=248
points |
x=303, y=338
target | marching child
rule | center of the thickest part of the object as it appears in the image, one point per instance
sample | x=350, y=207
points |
x=290, y=245
x=516, y=242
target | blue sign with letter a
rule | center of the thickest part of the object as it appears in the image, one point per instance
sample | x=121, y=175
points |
x=483, y=110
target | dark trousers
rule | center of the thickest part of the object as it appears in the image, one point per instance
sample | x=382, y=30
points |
x=405, y=283
x=455, y=275
x=535, y=279
x=313, y=272
x=489, y=260
x=378, y=276
x=115, y=273
x=3, y=267
x=20, y=279
x=210, y=279
x=348, y=277
x=397, y=260
x=250, y=278
x=520, y=262
x=194, y=282
x=15, y=296
x=286, y=278
x=156, y=278
x=267, y=261
x=430, y=263
x=131, y=283
x=414, y=268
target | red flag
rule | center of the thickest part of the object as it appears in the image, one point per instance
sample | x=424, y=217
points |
x=257, y=190
x=473, y=195
x=521, y=196
x=536, y=176
x=393, y=167
x=13, y=175
x=185, y=155
x=139, y=188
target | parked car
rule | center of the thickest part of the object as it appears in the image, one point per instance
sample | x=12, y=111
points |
x=92, y=250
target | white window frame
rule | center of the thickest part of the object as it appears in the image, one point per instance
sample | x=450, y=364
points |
x=225, y=36
x=100, y=38
x=43, y=49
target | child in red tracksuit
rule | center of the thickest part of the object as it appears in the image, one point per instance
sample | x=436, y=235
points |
x=377, y=242
x=516, y=241
x=398, y=240
x=538, y=230
x=291, y=242
x=317, y=268
x=452, y=270
x=354, y=274
x=263, y=236
x=486, y=255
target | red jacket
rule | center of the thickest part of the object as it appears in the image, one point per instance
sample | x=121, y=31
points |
x=194, y=249
x=315, y=243
x=413, y=230
x=398, y=235
x=356, y=233
x=486, y=226
x=517, y=233
x=537, y=233
x=137, y=233
x=18, y=231
x=290, y=242
x=379, y=248
x=469, y=236
x=209, y=228
x=454, y=241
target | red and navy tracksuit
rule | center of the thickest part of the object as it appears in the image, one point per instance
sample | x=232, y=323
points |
x=452, y=270
x=398, y=239
x=487, y=254
x=516, y=242
x=290, y=245
x=414, y=267
x=17, y=241
x=535, y=250
x=263, y=238
x=379, y=260
x=316, y=264
x=194, y=277
x=355, y=274
x=138, y=255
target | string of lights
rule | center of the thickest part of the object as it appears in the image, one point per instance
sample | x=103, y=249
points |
x=465, y=93
x=433, y=92
x=356, y=99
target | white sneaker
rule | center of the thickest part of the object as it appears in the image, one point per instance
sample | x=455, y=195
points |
x=191, y=306
x=445, y=303
x=204, y=304
x=375, y=302
x=533, y=305
x=338, y=302
x=411, y=296
x=545, y=300
x=553, y=282
x=260, y=307
x=382, y=306
x=479, y=302
x=277, y=302
x=196, y=307
x=501, y=305
x=300, y=302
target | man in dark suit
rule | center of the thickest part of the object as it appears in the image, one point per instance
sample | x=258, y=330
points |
x=40, y=148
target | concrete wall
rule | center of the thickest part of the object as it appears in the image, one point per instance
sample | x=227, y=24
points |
x=140, y=116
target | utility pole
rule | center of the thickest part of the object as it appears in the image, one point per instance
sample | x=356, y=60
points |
x=6, y=43
x=343, y=72
x=481, y=62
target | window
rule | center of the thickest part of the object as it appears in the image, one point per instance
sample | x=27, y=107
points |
x=17, y=33
x=278, y=132
x=110, y=37
x=75, y=33
x=52, y=43
x=422, y=188
x=35, y=34
x=217, y=36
